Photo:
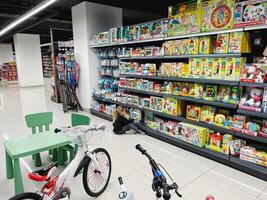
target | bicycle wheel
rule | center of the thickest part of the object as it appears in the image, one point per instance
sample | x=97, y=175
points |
x=27, y=195
x=94, y=181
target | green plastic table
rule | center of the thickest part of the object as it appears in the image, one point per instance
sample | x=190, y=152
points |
x=30, y=145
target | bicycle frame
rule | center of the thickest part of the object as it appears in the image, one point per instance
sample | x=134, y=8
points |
x=69, y=172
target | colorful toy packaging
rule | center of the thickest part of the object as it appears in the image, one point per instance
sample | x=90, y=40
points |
x=145, y=31
x=210, y=93
x=234, y=95
x=215, y=142
x=217, y=14
x=222, y=43
x=238, y=123
x=251, y=154
x=252, y=99
x=252, y=127
x=171, y=106
x=263, y=132
x=234, y=68
x=239, y=42
x=254, y=73
x=193, y=45
x=223, y=93
x=207, y=114
x=193, y=112
x=235, y=146
x=183, y=19
x=192, y=134
x=225, y=143
x=205, y=45
x=156, y=103
x=252, y=12
x=199, y=90
x=223, y=68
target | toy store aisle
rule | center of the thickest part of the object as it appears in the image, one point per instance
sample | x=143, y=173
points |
x=197, y=176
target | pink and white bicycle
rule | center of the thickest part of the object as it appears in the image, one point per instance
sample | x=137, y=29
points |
x=96, y=167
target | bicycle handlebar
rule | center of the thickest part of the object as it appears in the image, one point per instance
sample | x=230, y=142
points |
x=159, y=176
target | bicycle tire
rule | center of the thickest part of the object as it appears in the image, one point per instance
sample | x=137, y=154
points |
x=85, y=177
x=26, y=195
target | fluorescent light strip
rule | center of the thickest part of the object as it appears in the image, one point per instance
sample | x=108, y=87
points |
x=27, y=15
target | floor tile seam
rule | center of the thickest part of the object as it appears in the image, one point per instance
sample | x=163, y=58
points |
x=198, y=177
x=258, y=196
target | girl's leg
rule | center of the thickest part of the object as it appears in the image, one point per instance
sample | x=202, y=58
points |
x=135, y=128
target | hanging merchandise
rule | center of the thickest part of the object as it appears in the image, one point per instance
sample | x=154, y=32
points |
x=68, y=77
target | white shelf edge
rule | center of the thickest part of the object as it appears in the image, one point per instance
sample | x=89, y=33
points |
x=255, y=27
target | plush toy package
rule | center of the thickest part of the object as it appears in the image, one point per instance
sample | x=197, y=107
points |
x=252, y=12
x=217, y=14
x=254, y=72
x=252, y=99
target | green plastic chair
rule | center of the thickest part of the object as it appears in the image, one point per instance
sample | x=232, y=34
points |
x=76, y=120
x=40, y=122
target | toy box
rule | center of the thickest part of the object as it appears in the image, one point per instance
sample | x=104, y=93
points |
x=196, y=69
x=209, y=68
x=156, y=103
x=252, y=99
x=146, y=102
x=188, y=89
x=252, y=12
x=199, y=90
x=223, y=68
x=239, y=42
x=177, y=88
x=193, y=112
x=225, y=143
x=253, y=73
x=215, y=142
x=145, y=31
x=172, y=128
x=158, y=29
x=203, y=66
x=207, y=114
x=184, y=18
x=234, y=95
x=169, y=48
x=223, y=93
x=222, y=43
x=192, y=134
x=235, y=146
x=217, y=15
x=192, y=65
x=234, y=67
x=210, y=93
x=205, y=45
x=172, y=106
x=193, y=44
x=263, y=132
x=216, y=68
x=238, y=123
x=185, y=70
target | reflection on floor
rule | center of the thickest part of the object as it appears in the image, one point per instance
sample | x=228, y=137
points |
x=196, y=176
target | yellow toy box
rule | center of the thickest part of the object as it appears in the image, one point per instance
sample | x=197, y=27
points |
x=216, y=67
x=185, y=70
x=217, y=14
x=203, y=66
x=183, y=19
x=209, y=68
x=171, y=106
x=193, y=44
x=205, y=45
x=169, y=48
x=222, y=43
x=197, y=70
x=239, y=42
x=223, y=69
x=234, y=68
x=177, y=69
x=192, y=65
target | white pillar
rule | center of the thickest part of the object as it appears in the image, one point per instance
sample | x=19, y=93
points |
x=89, y=19
x=6, y=53
x=28, y=58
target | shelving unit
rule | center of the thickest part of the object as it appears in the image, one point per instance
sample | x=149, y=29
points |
x=192, y=80
x=182, y=56
x=250, y=168
x=101, y=114
x=253, y=113
x=245, y=166
x=47, y=65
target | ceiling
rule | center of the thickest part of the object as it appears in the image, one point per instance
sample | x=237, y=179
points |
x=58, y=16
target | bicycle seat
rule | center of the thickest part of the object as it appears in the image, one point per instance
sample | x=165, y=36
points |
x=42, y=174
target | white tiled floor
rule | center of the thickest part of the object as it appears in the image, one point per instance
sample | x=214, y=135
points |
x=196, y=176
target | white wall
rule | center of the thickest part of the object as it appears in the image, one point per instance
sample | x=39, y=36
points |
x=28, y=58
x=6, y=54
x=87, y=20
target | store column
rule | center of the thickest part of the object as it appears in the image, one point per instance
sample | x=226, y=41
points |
x=28, y=58
x=88, y=19
x=6, y=53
